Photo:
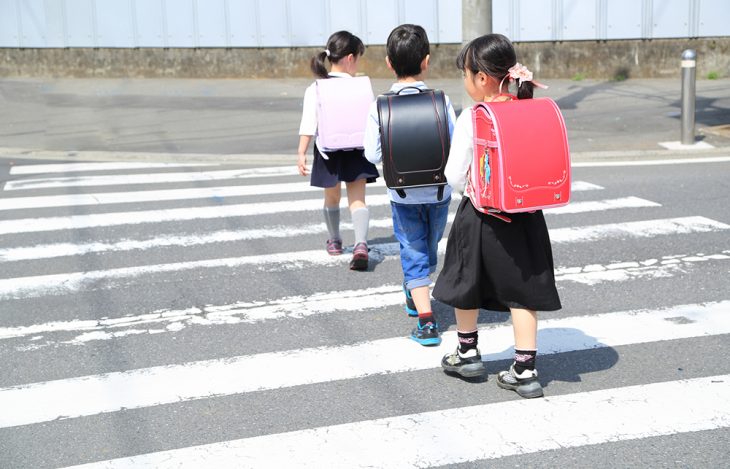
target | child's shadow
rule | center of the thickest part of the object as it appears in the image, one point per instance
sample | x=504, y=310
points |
x=380, y=249
x=564, y=354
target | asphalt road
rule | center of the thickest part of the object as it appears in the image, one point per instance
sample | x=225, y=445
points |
x=135, y=322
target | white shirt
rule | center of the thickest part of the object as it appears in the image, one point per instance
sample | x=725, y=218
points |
x=462, y=151
x=308, y=125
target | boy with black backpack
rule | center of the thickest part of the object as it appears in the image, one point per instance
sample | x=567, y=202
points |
x=409, y=130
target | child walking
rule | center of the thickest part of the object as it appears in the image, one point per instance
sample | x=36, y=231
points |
x=419, y=218
x=490, y=262
x=343, y=50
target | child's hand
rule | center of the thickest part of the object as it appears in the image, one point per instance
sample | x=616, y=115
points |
x=302, y=165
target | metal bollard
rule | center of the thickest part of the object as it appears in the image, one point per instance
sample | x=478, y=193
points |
x=689, y=69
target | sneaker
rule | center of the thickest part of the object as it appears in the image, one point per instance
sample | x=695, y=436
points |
x=427, y=334
x=334, y=247
x=410, y=305
x=524, y=384
x=359, y=257
x=467, y=365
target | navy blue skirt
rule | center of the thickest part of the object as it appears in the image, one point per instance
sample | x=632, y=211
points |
x=342, y=166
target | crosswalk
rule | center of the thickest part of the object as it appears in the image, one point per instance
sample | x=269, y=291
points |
x=164, y=315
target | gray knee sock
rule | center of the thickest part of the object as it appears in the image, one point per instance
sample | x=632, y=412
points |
x=360, y=222
x=332, y=219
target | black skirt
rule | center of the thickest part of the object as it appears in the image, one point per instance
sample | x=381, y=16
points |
x=494, y=265
x=342, y=166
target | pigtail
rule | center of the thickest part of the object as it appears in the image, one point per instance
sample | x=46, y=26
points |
x=339, y=45
x=525, y=90
x=317, y=65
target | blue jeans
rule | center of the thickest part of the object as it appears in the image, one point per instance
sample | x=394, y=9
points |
x=418, y=228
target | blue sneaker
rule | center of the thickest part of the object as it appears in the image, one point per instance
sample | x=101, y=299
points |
x=428, y=334
x=410, y=305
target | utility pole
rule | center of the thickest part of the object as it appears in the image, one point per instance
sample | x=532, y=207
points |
x=476, y=20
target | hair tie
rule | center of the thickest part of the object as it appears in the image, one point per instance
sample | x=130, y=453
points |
x=520, y=73
x=327, y=52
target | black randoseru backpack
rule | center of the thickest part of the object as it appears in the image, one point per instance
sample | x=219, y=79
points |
x=414, y=137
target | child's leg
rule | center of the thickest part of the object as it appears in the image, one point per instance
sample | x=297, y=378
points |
x=524, y=324
x=465, y=360
x=331, y=213
x=436, y=219
x=410, y=227
x=358, y=210
x=522, y=376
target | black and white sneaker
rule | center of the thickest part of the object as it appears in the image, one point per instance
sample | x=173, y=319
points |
x=467, y=365
x=525, y=384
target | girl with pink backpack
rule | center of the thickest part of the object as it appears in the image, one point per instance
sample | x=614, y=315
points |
x=334, y=115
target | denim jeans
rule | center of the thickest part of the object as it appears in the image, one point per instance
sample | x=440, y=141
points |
x=418, y=228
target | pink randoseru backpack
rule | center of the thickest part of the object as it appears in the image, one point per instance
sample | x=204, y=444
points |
x=342, y=110
x=521, y=156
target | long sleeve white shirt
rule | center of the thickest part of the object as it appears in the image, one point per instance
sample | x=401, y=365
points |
x=462, y=152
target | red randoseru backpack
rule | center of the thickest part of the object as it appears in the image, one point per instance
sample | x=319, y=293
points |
x=521, y=156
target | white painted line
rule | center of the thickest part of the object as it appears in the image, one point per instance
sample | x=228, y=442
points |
x=600, y=205
x=640, y=229
x=625, y=271
x=111, y=392
x=598, y=164
x=107, y=198
x=75, y=200
x=156, y=178
x=30, y=225
x=74, y=222
x=581, y=186
x=174, y=320
x=47, y=251
x=468, y=434
x=677, y=145
x=65, y=283
x=637, y=229
x=80, y=167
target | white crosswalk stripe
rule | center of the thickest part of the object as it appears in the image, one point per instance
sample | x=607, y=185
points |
x=202, y=258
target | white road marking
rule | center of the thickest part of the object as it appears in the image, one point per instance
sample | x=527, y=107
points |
x=693, y=160
x=108, y=198
x=156, y=178
x=469, y=434
x=64, y=283
x=80, y=167
x=111, y=392
x=640, y=229
x=173, y=320
x=74, y=222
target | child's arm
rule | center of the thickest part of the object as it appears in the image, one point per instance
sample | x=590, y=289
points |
x=307, y=128
x=302, y=154
x=460, y=155
x=373, y=151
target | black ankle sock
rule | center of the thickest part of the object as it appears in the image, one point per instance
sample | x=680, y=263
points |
x=425, y=318
x=467, y=340
x=524, y=360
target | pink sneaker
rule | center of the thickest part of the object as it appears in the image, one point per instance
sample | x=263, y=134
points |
x=334, y=247
x=359, y=257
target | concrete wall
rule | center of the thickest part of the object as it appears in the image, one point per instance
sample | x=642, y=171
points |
x=590, y=59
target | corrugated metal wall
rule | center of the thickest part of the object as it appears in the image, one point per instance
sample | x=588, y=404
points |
x=293, y=23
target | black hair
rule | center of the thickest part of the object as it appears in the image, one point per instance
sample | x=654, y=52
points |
x=494, y=55
x=407, y=46
x=339, y=45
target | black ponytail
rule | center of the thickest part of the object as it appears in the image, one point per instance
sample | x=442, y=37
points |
x=339, y=45
x=494, y=55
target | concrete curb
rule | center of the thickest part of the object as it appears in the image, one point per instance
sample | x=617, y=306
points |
x=283, y=159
